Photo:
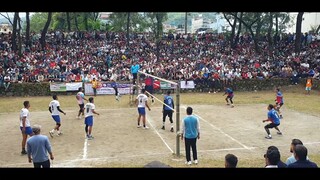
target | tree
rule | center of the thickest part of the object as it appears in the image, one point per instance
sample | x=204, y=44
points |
x=68, y=22
x=297, y=45
x=44, y=31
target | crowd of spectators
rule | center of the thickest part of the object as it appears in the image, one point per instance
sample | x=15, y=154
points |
x=205, y=58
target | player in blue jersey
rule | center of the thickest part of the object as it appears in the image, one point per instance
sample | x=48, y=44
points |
x=273, y=117
x=229, y=93
x=168, y=110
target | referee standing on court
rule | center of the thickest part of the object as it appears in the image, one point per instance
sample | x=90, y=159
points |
x=38, y=147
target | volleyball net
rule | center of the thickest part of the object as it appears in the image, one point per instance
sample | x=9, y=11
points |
x=141, y=84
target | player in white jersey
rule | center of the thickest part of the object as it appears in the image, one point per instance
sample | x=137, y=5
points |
x=54, y=109
x=25, y=125
x=89, y=111
x=80, y=99
x=142, y=102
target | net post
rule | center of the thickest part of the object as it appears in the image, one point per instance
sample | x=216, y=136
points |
x=178, y=121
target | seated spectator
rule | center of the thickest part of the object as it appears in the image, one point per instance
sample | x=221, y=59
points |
x=292, y=159
x=6, y=81
x=280, y=164
x=300, y=154
x=272, y=158
x=231, y=161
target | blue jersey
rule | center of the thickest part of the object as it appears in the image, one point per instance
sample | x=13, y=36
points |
x=168, y=100
x=135, y=68
x=114, y=84
x=229, y=92
x=273, y=115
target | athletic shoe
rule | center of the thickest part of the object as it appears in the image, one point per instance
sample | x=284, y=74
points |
x=268, y=137
x=228, y=104
x=163, y=128
x=232, y=105
x=139, y=126
x=51, y=133
x=90, y=137
x=24, y=152
x=188, y=163
x=172, y=129
x=196, y=161
x=152, y=101
x=59, y=133
x=280, y=133
x=145, y=127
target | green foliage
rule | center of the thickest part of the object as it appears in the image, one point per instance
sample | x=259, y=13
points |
x=37, y=22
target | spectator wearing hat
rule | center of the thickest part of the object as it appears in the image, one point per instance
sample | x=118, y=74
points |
x=38, y=147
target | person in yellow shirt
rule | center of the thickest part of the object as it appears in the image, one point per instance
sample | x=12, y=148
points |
x=94, y=86
x=308, y=85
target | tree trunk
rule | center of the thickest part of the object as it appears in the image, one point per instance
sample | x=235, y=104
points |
x=128, y=29
x=239, y=31
x=19, y=38
x=186, y=24
x=86, y=21
x=298, y=33
x=270, y=31
x=277, y=29
x=76, y=21
x=68, y=22
x=317, y=30
x=14, y=31
x=28, y=40
x=233, y=32
x=44, y=31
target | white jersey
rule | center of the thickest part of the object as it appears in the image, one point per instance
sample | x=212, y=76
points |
x=54, y=107
x=80, y=97
x=142, y=98
x=25, y=113
x=88, y=109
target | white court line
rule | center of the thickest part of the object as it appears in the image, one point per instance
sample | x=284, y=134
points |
x=158, y=134
x=226, y=149
x=222, y=132
x=85, y=149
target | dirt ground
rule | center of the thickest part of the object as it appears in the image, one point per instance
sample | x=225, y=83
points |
x=119, y=143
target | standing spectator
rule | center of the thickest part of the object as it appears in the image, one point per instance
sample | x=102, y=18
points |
x=300, y=154
x=80, y=99
x=294, y=143
x=275, y=121
x=134, y=71
x=142, y=102
x=229, y=91
x=90, y=110
x=279, y=101
x=38, y=149
x=309, y=85
x=168, y=108
x=94, y=83
x=25, y=125
x=54, y=109
x=190, y=133
x=231, y=161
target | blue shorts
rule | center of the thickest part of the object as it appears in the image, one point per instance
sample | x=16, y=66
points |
x=28, y=130
x=149, y=89
x=88, y=121
x=142, y=111
x=56, y=118
x=308, y=88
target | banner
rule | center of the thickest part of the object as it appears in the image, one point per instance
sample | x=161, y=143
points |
x=106, y=88
x=187, y=84
x=166, y=85
x=73, y=86
x=58, y=87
